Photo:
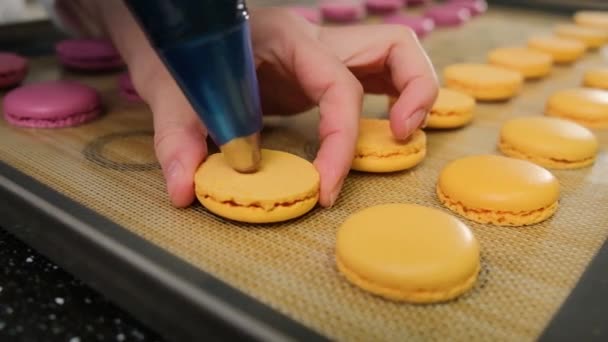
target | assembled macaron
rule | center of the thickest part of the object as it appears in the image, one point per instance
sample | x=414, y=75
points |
x=13, y=69
x=498, y=190
x=51, y=104
x=378, y=151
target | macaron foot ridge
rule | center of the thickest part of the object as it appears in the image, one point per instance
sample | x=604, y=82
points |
x=500, y=218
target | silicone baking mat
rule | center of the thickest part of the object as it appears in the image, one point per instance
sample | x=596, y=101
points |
x=527, y=272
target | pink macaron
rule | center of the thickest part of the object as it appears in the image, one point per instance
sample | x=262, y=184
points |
x=13, y=69
x=476, y=7
x=448, y=15
x=383, y=6
x=51, y=104
x=343, y=11
x=421, y=25
x=88, y=54
x=415, y=2
x=126, y=88
x=309, y=13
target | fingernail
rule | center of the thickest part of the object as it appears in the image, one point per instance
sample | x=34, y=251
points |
x=416, y=120
x=426, y=121
x=333, y=196
x=174, y=172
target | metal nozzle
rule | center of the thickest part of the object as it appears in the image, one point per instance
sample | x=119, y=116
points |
x=243, y=153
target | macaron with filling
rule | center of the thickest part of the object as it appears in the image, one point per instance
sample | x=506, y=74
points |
x=498, y=190
x=530, y=63
x=285, y=187
x=482, y=81
x=550, y=142
x=588, y=107
x=422, y=26
x=51, y=104
x=593, y=38
x=88, y=54
x=378, y=151
x=451, y=109
x=563, y=50
x=13, y=69
x=595, y=19
x=596, y=78
x=448, y=15
x=342, y=11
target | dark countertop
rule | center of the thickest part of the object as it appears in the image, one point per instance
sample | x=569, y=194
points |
x=39, y=301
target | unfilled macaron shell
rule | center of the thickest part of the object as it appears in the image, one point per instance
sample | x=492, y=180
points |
x=51, y=104
x=447, y=15
x=422, y=26
x=407, y=252
x=13, y=69
x=88, y=54
x=550, y=142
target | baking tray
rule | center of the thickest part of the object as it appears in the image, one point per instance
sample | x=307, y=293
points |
x=92, y=198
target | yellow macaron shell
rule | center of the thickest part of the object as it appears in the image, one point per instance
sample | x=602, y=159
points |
x=483, y=81
x=500, y=190
x=378, y=151
x=596, y=78
x=285, y=186
x=530, y=63
x=451, y=109
x=586, y=106
x=550, y=142
x=592, y=37
x=595, y=19
x=408, y=252
x=563, y=50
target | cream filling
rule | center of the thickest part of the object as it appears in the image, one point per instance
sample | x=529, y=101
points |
x=265, y=207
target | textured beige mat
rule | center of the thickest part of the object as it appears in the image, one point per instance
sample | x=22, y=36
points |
x=109, y=166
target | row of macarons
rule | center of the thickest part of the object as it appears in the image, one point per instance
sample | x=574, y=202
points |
x=61, y=103
x=449, y=13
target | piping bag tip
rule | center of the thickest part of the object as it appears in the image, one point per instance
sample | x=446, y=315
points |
x=243, y=153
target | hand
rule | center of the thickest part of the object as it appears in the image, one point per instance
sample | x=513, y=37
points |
x=299, y=65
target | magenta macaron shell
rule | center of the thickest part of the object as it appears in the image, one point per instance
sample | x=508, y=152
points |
x=51, y=104
x=383, y=6
x=126, y=88
x=342, y=10
x=421, y=25
x=448, y=15
x=475, y=6
x=309, y=13
x=415, y=2
x=88, y=54
x=13, y=69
